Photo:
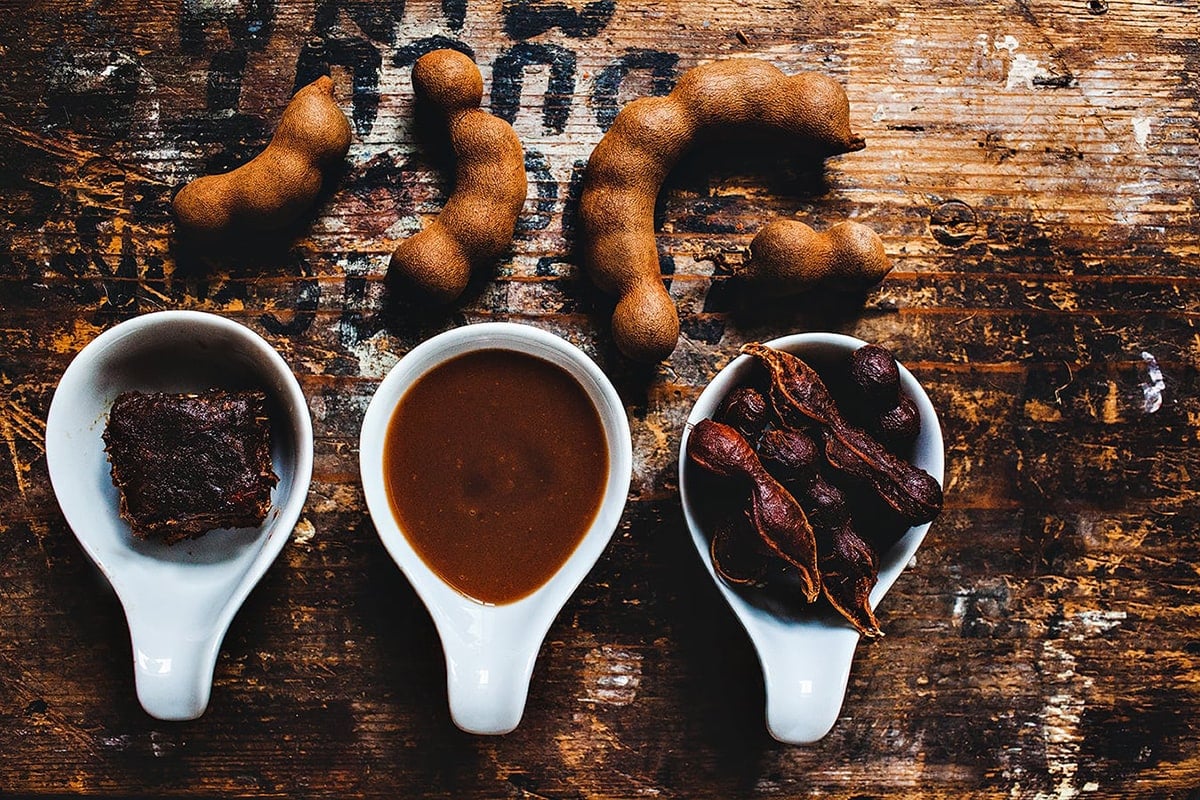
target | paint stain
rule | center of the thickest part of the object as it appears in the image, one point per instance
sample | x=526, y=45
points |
x=1154, y=386
x=1141, y=131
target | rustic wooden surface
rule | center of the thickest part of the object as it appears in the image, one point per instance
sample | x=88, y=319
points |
x=1033, y=169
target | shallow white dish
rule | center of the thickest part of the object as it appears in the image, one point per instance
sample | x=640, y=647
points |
x=490, y=649
x=178, y=599
x=805, y=657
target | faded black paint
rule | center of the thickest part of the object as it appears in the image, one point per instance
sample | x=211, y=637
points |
x=541, y=179
x=364, y=61
x=508, y=76
x=407, y=55
x=375, y=18
x=524, y=19
x=663, y=74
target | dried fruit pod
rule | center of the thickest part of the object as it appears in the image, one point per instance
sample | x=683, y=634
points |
x=476, y=225
x=778, y=518
x=849, y=571
x=789, y=257
x=799, y=396
x=746, y=411
x=625, y=171
x=737, y=553
x=277, y=186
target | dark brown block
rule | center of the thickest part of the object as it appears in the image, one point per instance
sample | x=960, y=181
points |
x=186, y=464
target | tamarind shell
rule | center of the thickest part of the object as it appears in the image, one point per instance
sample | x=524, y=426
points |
x=477, y=223
x=276, y=187
x=647, y=138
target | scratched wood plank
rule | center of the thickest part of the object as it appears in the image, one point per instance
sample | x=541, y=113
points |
x=1031, y=168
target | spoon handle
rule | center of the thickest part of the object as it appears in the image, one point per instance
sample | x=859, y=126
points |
x=490, y=652
x=805, y=680
x=173, y=670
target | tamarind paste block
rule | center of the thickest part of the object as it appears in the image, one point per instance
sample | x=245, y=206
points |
x=186, y=464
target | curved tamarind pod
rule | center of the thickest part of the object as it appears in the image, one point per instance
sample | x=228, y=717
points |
x=777, y=517
x=279, y=184
x=625, y=171
x=476, y=225
x=788, y=257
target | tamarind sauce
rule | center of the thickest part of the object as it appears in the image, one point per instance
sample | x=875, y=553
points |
x=495, y=464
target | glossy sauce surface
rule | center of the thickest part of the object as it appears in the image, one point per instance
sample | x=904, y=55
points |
x=495, y=464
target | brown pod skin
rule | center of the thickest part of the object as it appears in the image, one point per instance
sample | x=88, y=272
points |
x=627, y=168
x=277, y=186
x=746, y=411
x=789, y=257
x=476, y=225
x=876, y=376
x=899, y=427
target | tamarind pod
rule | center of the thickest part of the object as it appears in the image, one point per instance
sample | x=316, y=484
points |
x=278, y=185
x=627, y=168
x=799, y=395
x=849, y=571
x=476, y=224
x=778, y=518
x=788, y=257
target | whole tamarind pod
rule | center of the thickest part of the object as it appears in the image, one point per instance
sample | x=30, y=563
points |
x=627, y=168
x=277, y=186
x=789, y=257
x=476, y=225
x=778, y=518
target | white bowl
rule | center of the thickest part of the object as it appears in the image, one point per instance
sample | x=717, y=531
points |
x=178, y=599
x=490, y=649
x=805, y=658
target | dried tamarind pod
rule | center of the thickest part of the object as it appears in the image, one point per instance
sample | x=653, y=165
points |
x=789, y=257
x=746, y=411
x=738, y=555
x=849, y=571
x=799, y=395
x=777, y=517
x=277, y=186
x=476, y=225
x=627, y=168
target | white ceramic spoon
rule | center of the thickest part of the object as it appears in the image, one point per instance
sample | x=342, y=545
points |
x=178, y=599
x=805, y=656
x=490, y=649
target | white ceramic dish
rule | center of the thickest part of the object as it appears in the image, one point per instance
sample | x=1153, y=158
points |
x=178, y=599
x=490, y=649
x=805, y=658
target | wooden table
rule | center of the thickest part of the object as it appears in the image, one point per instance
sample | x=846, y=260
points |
x=1033, y=170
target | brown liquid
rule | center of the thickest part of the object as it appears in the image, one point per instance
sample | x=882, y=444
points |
x=495, y=464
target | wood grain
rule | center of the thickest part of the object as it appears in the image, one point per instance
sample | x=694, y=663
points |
x=1032, y=168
